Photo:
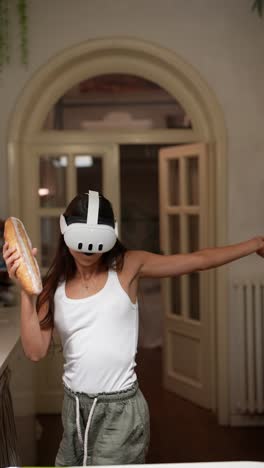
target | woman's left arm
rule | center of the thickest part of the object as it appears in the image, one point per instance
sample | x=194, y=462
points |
x=160, y=266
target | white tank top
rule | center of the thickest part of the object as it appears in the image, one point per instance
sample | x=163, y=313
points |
x=99, y=335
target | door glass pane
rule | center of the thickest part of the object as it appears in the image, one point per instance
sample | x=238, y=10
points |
x=193, y=278
x=49, y=235
x=194, y=295
x=89, y=172
x=193, y=232
x=174, y=182
x=174, y=246
x=174, y=234
x=192, y=180
x=175, y=295
x=52, y=180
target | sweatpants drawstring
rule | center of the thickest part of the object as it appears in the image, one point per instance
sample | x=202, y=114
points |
x=85, y=442
x=78, y=420
x=86, y=432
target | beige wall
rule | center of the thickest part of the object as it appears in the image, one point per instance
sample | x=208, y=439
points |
x=223, y=40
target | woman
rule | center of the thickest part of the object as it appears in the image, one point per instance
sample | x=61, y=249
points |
x=90, y=297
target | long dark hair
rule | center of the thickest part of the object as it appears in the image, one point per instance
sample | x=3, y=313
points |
x=63, y=267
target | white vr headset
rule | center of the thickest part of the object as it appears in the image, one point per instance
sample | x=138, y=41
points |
x=89, y=237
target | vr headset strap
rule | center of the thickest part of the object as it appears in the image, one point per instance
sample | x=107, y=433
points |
x=93, y=207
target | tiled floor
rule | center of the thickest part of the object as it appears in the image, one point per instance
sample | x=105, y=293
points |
x=180, y=431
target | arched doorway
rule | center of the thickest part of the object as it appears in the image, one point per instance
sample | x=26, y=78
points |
x=123, y=55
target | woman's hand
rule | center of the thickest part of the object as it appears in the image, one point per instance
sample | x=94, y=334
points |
x=260, y=250
x=12, y=260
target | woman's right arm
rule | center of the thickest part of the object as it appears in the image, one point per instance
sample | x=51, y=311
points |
x=35, y=341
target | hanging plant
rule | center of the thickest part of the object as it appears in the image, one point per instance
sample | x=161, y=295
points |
x=21, y=8
x=23, y=23
x=258, y=5
x=4, y=27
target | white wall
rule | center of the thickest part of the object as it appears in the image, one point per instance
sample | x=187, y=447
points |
x=223, y=40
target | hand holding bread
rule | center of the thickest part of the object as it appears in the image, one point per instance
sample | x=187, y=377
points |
x=20, y=257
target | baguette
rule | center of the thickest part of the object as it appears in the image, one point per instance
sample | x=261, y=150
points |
x=28, y=272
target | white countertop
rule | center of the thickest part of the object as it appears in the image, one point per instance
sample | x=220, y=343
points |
x=9, y=333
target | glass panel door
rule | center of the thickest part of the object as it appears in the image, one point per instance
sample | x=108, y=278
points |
x=184, y=220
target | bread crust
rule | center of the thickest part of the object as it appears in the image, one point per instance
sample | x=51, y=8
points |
x=28, y=272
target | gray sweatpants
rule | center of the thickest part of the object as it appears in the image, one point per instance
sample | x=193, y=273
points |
x=104, y=428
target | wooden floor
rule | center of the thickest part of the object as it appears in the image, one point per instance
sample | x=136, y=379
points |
x=180, y=431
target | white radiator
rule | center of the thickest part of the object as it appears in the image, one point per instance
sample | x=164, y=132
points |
x=249, y=314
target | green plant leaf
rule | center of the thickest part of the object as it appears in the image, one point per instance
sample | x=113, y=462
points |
x=23, y=22
x=4, y=35
x=258, y=5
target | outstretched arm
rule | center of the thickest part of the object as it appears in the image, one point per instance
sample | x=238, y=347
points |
x=160, y=266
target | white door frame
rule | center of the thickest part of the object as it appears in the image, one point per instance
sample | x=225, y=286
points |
x=181, y=80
